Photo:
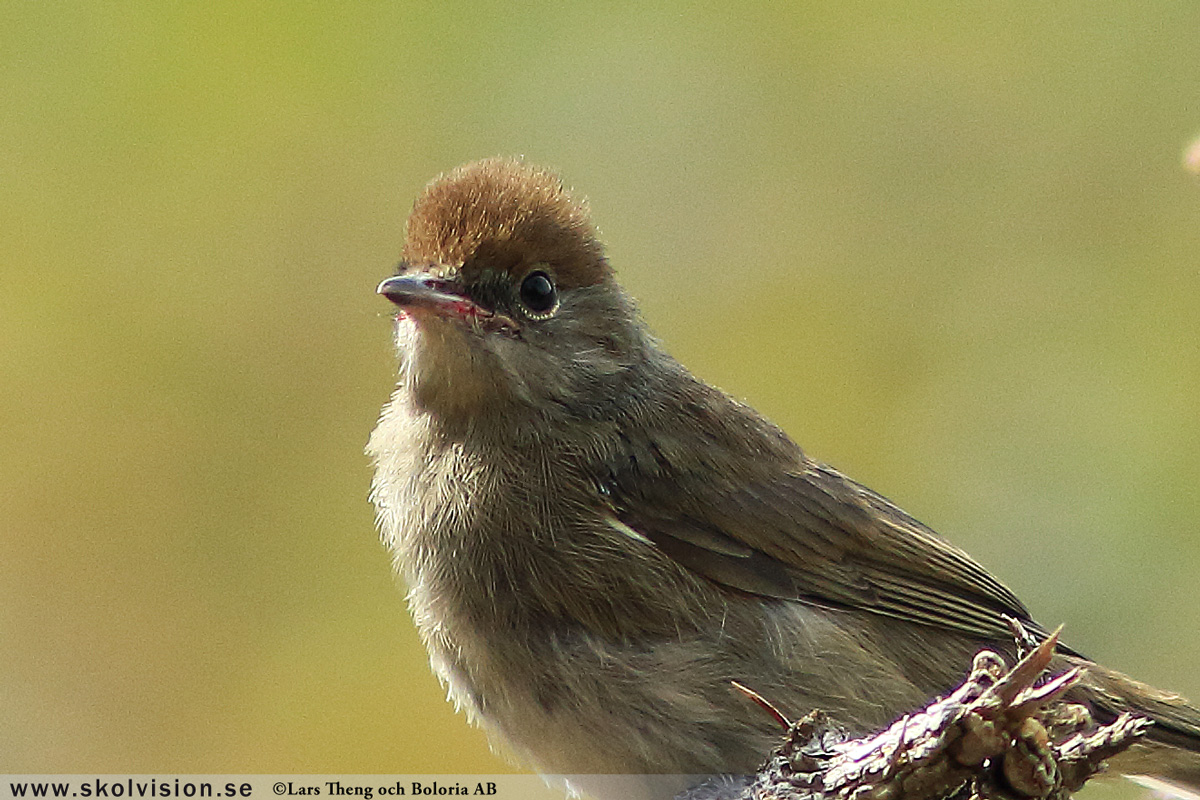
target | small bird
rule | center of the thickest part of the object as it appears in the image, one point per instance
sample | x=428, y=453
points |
x=597, y=543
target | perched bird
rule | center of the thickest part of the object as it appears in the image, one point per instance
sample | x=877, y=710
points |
x=596, y=542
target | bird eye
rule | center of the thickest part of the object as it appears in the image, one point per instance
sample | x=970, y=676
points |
x=538, y=293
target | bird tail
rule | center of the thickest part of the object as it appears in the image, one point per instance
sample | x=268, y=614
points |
x=1168, y=759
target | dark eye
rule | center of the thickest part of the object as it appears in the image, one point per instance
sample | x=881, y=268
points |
x=538, y=293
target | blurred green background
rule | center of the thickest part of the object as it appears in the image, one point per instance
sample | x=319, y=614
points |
x=951, y=249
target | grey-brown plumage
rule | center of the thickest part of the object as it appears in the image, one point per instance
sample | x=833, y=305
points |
x=597, y=543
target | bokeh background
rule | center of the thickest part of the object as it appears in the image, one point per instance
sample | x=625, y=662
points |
x=952, y=249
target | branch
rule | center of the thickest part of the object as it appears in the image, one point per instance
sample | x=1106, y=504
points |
x=998, y=735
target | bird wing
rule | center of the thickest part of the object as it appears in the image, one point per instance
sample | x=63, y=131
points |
x=811, y=534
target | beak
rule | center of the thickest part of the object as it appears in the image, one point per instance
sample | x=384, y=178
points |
x=422, y=290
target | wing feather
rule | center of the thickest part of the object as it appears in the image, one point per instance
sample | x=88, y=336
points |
x=811, y=534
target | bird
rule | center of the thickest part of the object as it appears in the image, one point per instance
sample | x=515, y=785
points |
x=596, y=543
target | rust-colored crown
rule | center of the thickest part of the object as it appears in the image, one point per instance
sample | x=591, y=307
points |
x=502, y=214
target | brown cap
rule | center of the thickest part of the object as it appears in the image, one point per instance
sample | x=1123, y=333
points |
x=502, y=214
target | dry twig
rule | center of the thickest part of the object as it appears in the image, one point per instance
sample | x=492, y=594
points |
x=998, y=735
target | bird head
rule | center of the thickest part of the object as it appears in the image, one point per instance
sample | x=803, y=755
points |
x=505, y=301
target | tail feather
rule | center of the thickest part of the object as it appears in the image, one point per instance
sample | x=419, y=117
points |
x=1171, y=750
x=1161, y=787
